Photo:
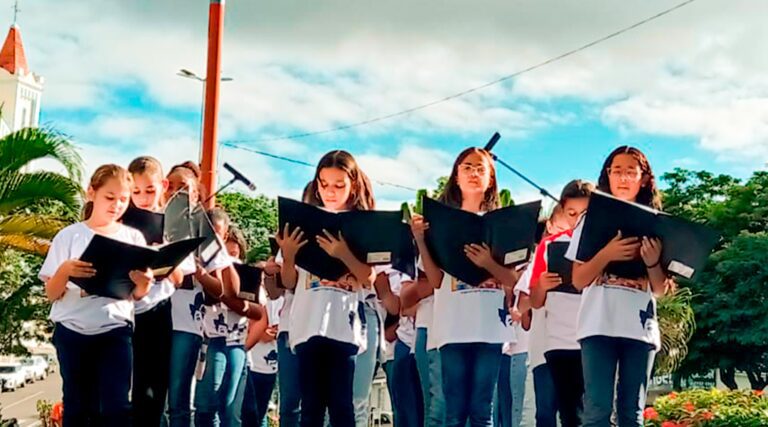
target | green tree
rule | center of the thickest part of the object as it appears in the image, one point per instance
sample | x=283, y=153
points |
x=728, y=295
x=21, y=192
x=33, y=207
x=256, y=217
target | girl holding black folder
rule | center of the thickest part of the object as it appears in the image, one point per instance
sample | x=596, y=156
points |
x=93, y=335
x=326, y=328
x=470, y=323
x=618, y=329
x=152, y=334
x=560, y=301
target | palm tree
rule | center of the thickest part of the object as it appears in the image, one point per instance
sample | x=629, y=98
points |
x=22, y=192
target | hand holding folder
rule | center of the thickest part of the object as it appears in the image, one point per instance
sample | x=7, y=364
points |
x=113, y=261
x=685, y=245
x=507, y=231
x=374, y=237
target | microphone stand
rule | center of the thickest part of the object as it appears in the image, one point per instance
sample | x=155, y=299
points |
x=542, y=190
x=231, y=181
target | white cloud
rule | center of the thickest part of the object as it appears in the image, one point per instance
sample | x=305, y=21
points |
x=699, y=72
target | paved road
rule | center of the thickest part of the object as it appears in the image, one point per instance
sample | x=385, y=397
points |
x=22, y=403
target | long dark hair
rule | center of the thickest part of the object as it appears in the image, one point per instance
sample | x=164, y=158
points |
x=361, y=195
x=451, y=194
x=649, y=193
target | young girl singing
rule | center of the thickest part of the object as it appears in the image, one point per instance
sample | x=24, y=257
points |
x=325, y=325
x=618, y=329
x=152, y=334
x=467, y=324
x=561, y=302
x=92, y=334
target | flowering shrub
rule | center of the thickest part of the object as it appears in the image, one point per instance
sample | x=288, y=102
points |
x=709, y=408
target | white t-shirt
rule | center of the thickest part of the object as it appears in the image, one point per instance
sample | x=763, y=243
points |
x=158, y=293
x=467, y=314
x=324, y=308
x=187, y=301
x=613, y=307
x=424, y=316
x=561, y=309
x=262, y=357
x=406, y=331
x=90, y=314
x=537, y=335
x=218, y=319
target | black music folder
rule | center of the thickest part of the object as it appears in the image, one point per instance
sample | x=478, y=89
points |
x=274, y=247
x=557, y=263
x=250, y=281
x=113, y=260
x=686, y=245
x=151, y=224
x=508, y=231
x=185, y=221
x=375, y=237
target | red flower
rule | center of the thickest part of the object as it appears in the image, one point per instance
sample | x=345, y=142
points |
x=689, y=407
x=709, y=416
x=672, y=395
x=758, y=392
x=650, y=414
x=669, y=424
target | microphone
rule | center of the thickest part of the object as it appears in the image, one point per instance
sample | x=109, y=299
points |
x=240, y=177
x=492, y=142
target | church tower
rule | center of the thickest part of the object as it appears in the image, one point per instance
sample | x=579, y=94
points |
x=20, y=88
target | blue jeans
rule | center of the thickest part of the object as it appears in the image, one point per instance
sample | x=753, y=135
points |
x=258, y=392
x=406, y=388
x=546, y=399
x=288, y=383
x=96, y=376
x=388, y=371
x=326, y=371
x=510, y=392
x=365, y=366
x=185, y=348
x=470, y=372
x=431, y=378
x=216, y=394
x=601, y=357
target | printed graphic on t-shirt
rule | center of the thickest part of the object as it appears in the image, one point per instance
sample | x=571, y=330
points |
x=647, y=314
x=271, y=358
x=346, y=283
x=489, y=285
x=221, y=324
x=196, y=308
x=622, y=282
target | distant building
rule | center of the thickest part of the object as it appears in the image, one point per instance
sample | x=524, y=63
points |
x=20, y=88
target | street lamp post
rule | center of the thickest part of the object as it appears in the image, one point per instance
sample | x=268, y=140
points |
x=192, y=76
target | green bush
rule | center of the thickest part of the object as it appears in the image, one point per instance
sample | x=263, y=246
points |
x=709, y=408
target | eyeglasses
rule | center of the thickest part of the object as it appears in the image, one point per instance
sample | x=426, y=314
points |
x=468, y=169
x=629, y=174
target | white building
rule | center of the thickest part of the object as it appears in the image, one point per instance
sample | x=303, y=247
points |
x=20, y=88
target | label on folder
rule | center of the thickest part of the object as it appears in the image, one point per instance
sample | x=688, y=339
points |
x=378, y=257
x=515, y=256
x=681, y=269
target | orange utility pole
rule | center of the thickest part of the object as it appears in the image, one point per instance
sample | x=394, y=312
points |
x=212, y=81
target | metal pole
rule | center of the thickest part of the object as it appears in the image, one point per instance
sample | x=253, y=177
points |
x=212, y=81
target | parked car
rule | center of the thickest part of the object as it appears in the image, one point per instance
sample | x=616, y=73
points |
x=36, y=368
x=13, y=376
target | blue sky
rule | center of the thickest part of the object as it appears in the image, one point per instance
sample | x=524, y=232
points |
x=689, y=89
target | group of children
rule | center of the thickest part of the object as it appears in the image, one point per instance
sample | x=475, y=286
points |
x=187, y=348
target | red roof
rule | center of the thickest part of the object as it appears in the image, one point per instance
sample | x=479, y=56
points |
x=12, y=56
